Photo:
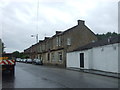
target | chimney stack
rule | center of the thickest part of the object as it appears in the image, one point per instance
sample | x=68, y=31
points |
x=81, y=22
x=57, y=32
x=40, y=40
x=47, y=38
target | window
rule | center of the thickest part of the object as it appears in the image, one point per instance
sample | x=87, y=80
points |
x=60, y=56
x=48, y=57
x=48, y=45
x=52, y=57
x=43, y=47
x=31, y=50
x=68, y=41
x=40, y=48
x=57, y=41
x=39, y=56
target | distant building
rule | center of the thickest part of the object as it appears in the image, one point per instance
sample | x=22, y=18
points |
x=52, y=50
x=1, y=47
x=100, y=55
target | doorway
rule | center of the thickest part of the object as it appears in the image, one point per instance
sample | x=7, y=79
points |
x=48, y=56
x=82, y=60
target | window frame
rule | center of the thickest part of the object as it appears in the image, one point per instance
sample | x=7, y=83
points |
x=68, y=41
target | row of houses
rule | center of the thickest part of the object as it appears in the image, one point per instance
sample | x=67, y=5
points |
x=1, y=47
x=53, y=50
x=78, y=47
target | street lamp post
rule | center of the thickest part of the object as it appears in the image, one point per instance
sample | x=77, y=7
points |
x=36, y=37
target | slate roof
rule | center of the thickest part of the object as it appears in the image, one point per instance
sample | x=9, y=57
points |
x=106, y=41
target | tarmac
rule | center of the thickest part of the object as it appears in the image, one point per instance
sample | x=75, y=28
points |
x=38, y=76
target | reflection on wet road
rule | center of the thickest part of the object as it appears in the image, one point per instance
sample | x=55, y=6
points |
x=36, y=76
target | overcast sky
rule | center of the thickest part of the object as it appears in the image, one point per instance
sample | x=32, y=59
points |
x=18, y=19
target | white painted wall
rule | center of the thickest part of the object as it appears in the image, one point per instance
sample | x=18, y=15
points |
x=119, y=58
x=103, y=58
x=73, y=60
x=106, y=58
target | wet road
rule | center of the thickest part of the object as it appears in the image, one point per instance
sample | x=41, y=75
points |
x=36, y=76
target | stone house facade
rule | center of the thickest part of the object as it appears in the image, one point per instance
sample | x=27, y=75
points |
x=52, y=50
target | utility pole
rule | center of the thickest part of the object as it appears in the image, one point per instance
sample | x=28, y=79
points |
x=37, y=20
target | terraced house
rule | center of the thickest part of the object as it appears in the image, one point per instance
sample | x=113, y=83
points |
x=52, y=50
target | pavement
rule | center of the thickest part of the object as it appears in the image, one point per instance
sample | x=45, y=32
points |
x=98, y=72
x=0, y=77
x=37, y=76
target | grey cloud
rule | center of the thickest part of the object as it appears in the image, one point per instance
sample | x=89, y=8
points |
x=17, y=32
x=119, y=17
x=104, y=18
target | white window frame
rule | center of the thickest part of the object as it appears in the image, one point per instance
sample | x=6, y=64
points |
x=57, y=41
x=68, y=41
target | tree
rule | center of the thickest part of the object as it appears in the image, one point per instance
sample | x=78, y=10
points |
x=22, y=55
x=108, y=34
x=16, y=54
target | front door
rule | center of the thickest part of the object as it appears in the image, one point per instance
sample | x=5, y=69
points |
x=82, y=60
x=48, y=56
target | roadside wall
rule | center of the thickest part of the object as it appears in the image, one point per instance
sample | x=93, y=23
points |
x=104, y=58
x=73, y=59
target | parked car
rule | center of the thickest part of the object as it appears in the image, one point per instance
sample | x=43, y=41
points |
x=21, y=60
x=34, y=60
x=18, y=59
x=29, y=61
x=24, y=60
x=38, y=62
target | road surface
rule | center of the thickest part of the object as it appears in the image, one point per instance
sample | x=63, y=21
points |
x=36, y=76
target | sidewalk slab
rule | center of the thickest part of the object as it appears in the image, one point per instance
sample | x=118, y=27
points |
x=110, y=74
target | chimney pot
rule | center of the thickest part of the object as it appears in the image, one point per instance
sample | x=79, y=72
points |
x=57, y=32
x=47, y=38
x=81, y=22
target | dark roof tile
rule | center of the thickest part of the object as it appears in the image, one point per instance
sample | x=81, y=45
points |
x=106, y=41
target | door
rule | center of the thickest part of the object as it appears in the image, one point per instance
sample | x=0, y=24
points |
x=82, y=60
x=48, y=56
